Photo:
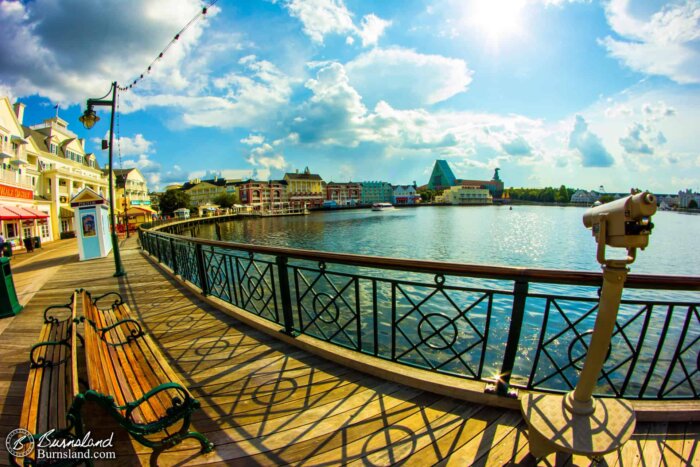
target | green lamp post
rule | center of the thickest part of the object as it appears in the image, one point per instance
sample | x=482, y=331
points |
x=88, y=119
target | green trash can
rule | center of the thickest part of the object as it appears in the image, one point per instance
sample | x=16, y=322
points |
x=37, y=242
x=9, y=305
x=7, y=249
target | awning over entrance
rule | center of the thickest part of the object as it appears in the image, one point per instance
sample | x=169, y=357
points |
x=65, y=213
x=15, y=212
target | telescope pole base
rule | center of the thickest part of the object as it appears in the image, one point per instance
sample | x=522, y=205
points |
x=553, y=426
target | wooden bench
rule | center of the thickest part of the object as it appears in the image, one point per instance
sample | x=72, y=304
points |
x=52, y=384
x=129, y=377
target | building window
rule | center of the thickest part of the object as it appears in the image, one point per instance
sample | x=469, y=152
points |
x=66, y=225
x=11, y=230
x=26, y=232
x=44, y=230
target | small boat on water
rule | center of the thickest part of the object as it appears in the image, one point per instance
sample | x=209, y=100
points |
x=382, y=206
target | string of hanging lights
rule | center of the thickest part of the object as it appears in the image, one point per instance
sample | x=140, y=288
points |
x=177, y=36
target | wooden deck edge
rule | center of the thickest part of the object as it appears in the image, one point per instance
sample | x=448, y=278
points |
x=458, y=388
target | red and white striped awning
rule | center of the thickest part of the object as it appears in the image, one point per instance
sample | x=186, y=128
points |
x=8, y=213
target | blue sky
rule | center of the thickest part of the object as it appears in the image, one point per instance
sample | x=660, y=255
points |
x=551, y=91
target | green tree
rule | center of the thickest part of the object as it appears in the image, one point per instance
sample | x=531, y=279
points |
x=172, y=200
x=226, y=200
x=562, y=195
x=692, y=204
x=427, y=195
x=606, y=198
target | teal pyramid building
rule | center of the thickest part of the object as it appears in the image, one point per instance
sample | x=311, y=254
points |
x=442, y=176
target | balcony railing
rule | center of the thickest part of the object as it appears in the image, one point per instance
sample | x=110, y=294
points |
x=523, y=328
x=16, y=179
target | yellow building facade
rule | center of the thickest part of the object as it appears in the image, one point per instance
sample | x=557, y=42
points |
x=305, y=189
x=461, y=194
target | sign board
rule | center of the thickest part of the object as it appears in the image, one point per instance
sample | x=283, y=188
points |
x=14, y=192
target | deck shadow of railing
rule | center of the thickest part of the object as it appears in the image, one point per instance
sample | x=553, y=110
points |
x=251, y=394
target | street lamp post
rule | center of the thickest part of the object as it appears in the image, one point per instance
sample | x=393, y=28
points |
x=88, y=119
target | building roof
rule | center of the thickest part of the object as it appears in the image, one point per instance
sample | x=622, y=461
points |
x=442, y=175
x=250, y=180
x=214, y=181
x=40, y=140
x=303, y=176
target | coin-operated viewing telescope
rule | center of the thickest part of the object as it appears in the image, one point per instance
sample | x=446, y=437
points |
x=623, y=223
x=578, y=422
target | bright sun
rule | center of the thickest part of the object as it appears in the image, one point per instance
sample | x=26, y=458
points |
x=496, y=19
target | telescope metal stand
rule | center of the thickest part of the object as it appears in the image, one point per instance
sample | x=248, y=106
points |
x=578, y=423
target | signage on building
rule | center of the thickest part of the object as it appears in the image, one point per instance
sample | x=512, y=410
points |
x=87, y=203
x=14, y=192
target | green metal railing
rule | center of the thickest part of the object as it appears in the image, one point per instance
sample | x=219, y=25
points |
x=517, y=327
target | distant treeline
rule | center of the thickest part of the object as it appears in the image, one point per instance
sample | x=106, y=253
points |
x=543, y=195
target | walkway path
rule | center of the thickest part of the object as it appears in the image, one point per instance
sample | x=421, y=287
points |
x=265, y=403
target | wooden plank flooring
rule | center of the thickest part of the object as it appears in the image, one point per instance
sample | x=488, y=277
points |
x=266, y=403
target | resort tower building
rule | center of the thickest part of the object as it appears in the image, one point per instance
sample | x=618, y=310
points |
x=304, y=189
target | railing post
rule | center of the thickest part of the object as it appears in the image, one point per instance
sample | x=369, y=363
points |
x=502, y=386
x=159, y=254
x=199, y=252
x=172, y=255
x=287, y=315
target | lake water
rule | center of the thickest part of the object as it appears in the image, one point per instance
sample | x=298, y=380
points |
x=529, y=236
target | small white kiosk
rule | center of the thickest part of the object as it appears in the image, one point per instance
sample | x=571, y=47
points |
x=91, y=224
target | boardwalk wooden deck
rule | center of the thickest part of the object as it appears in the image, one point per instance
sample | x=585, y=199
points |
x=265, y=403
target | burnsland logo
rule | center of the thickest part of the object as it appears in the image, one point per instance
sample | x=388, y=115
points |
x=19, y=443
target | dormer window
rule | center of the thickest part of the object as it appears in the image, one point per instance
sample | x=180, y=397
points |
x=53, y=148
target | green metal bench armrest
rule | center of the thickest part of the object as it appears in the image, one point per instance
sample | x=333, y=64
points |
x=52, y=319
x=42, y=362
x=182, y=407
x=116, y=302
x=134, y=333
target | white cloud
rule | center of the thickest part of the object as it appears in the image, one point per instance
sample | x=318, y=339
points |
x=664, y=44
x=336, y=116
x=133, y=146
x=589, y=145
x=371, y=29
x=253, y=140
x=41, y=53
x=321, y=18
x=266, y=157
x=382, y=74
x=250, y=97
x=638, y=139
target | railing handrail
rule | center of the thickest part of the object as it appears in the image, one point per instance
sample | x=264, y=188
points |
x=552, y=276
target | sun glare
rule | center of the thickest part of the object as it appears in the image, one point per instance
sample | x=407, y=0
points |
x=498, y=20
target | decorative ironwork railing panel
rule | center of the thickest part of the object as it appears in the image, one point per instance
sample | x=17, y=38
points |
x=523, y=328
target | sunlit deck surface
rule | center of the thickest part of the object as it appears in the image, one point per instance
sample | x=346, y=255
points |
x=266, y=403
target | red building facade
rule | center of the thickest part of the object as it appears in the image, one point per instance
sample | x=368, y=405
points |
x=344, y=194
x=263, y=195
